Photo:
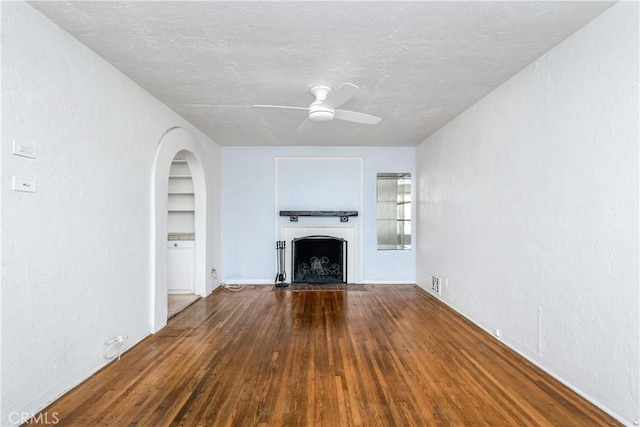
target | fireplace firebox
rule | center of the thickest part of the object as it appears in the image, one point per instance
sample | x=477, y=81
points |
x=319, y=259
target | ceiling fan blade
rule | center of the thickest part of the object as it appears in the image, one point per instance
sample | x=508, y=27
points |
x=352, y=116
x=282, y=107
x=339, y=96
x=304, y=126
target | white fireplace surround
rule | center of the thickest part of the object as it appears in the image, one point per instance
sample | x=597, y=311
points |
x=346, y=233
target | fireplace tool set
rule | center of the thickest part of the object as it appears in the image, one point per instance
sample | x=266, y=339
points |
x=282, y=274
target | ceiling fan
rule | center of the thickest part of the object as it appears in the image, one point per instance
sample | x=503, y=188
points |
x=324, y=108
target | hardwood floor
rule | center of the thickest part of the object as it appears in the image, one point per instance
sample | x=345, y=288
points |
x=392, y=356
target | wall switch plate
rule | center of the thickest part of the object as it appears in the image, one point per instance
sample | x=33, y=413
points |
x=24, y=149
x=27, y=185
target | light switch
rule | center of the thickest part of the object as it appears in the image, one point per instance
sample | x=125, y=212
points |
x=24, y=184
x=24, y=149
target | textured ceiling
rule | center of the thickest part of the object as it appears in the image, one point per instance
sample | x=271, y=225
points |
x=418, y=64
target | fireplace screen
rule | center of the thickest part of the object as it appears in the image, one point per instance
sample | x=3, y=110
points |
x=319, y=259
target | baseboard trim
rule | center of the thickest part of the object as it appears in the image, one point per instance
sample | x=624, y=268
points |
x=387, y=282
x=246, y=282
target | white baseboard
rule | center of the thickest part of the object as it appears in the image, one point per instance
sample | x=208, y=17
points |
x=387, y=282
x=234, y=281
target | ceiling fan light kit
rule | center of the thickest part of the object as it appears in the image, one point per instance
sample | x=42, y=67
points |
x=323, y=109
x=320, y=115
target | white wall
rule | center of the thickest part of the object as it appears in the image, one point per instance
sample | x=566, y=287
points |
x=257, y=183
x=77, y=254
x=528, y=203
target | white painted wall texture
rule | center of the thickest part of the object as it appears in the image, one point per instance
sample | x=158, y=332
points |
x=77, y=255
x=254, y=189
x=528, y=203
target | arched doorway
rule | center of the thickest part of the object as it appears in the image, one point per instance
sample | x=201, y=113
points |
x=177, y=140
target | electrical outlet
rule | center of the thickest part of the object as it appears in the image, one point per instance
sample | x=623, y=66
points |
x=27, y=185
x=436, y=284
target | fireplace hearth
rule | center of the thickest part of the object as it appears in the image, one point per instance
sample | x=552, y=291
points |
x=319, y=259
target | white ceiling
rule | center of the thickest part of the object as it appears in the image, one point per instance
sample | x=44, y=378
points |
x=418, y=64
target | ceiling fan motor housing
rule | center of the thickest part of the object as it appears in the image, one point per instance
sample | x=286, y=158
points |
x=320, y=92
x=318, y=112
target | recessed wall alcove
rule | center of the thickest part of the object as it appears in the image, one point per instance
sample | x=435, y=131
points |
x=174, y=141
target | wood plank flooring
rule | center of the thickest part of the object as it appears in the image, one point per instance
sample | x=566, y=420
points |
x=390, y=356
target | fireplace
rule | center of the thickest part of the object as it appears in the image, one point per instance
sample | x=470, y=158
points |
x=291, y=232
x=319, y=259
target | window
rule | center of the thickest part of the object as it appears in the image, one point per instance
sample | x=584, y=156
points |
x=394, y=210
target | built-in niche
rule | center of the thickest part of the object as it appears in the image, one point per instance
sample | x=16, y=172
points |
x=393, y=202
x=180, y=204
x=180, y=228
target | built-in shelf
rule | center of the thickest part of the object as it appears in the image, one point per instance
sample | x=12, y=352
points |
x=180, y=204
x=179, y=168
x=343, y=215
x=180, y=185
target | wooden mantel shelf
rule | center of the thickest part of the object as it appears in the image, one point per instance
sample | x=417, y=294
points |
x=344, y=215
